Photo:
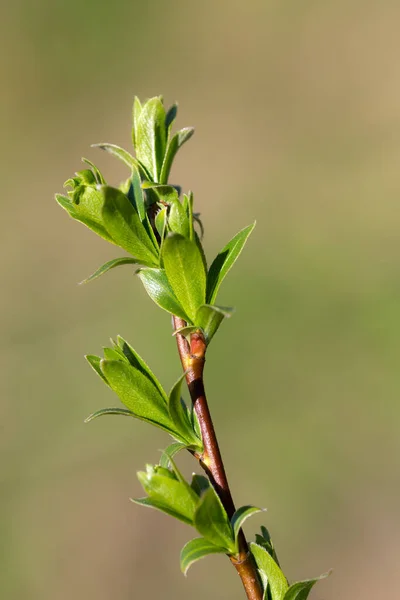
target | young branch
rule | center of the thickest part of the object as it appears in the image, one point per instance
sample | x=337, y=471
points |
x=193, y=359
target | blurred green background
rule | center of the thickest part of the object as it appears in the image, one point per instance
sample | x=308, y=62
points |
x=297, y=113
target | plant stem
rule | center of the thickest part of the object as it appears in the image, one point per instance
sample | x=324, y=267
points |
x=193, y=358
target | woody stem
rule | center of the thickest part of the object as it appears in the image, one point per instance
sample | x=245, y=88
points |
x=193, y=359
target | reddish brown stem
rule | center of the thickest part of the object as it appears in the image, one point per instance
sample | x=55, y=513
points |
x=193, y=358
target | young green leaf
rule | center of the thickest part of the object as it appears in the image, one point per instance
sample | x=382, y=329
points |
x=164, y=193
x=94, y=362
x=136, y=110
x=185, y=271
x=200, y=484
x=178, y=220
x=170, y=452
x=150, y=137
x=98, y=176
x=138, y=363
x=91, y=218
x=276, y=580
x=113, y=354
x=224, y=261
x=168, y=491
x=185, y=331
x=118, y=152
x=124, y=225
x=209, y=318
x=212, y=522
x=110, y=411
x=161, y=221
x=158, y=288
x=137, y=193
x=195, y=550
x=241, y=515
x=265, y=541
x=116, y=262
x=174, y=144
x=179, y=416
x=137, y=392
x=165, y=508
x=170, y=118
x=301, y=589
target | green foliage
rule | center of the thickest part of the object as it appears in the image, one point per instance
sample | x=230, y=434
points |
x=224, y=262
x=125, y=372
x=213, y=523
x=241, y=515
x=301, y=589
x=197, y=504
x=147, y=217
x=158, y=287
x=270, y=572
x=185, y=271
x=195, y=550
x=115, y=262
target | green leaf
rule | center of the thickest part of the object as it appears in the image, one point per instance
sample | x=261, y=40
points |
x=136, y=110
x=125, y=227
x=169, y=492
x=185, y=272
x=138, y=199
x=179, y=416
x=212, y=522
x=170, y=118
x=137, y=362
x=94, y=362
x=151, y=503
x=88, y=212
x=123, y=155
x=241, y=515
x=174, y=144
x=186, y=331
x=99, y=177
x=170, y=452
x=195, y=550
x=110, y=411
x=224, y=261
x=276, y=579
x=164, y=193
x=116, y=262
x=160, y=222
x=200, y=484
x=137, y=392
x=265, y=541
x=158, y=288
x=178, y=220
x=209, y=318
x=301, y=589
x=113, y=354
x=151, y=137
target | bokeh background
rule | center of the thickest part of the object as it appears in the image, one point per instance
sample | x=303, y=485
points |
x=297, y=113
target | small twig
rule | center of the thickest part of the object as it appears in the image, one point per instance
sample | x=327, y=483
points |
x=193, y=358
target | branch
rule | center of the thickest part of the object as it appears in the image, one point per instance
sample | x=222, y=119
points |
x=193, y=358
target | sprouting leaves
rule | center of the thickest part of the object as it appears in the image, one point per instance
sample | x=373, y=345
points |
x=185, y=272
x=195, y=550
x=126, y=373
x=224, y=262
x=270, y=572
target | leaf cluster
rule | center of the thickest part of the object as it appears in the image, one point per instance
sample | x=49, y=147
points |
x=196, y=504
x=126, y=373
x=146, y=217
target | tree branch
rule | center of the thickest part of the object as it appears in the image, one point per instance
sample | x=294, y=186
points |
x=193, y=358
